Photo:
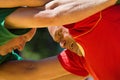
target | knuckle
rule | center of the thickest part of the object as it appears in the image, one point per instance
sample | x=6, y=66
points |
x=51, y=5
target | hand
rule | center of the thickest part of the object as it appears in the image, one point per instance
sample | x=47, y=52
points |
x=56, y=12
x=17, y=43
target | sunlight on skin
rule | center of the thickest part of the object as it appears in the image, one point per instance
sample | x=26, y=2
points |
x=17, y=43
x=63, y=37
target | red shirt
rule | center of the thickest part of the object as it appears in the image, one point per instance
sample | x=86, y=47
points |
x=99, y=35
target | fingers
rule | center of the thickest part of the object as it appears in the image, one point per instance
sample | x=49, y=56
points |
x=51, y=5
x=55, y=3
x=15, y=43
x=29, y=35
x=20, y=46
x=2, y=52
x=5, y=50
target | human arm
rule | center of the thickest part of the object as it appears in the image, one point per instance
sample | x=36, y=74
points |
x=18, y=3
x=57, y=12
x=17, y=42
x=46, y=69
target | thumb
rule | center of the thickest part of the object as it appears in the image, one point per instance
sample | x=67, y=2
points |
x=29, y=35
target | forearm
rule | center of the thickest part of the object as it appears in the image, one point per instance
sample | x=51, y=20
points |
x=60, y=15
x=46, y=69
x=72, y=12
x=18, y=3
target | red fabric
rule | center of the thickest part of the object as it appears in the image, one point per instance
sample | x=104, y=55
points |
x=101, y=44
x=69, y=60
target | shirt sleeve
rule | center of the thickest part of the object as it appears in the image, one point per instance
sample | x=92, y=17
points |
x=84, y=26
x=72, y=63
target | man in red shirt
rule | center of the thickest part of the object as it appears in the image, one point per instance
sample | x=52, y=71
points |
x=99, y=37
x=84, y=62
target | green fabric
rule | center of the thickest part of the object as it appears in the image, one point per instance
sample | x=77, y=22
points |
x=9, y=57
x=5, y=36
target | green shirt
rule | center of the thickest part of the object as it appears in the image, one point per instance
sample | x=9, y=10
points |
x=5, y=35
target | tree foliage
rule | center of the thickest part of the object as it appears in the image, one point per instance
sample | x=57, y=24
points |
x=41, y=46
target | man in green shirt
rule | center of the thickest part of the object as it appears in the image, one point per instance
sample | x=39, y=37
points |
x=48, y=69
x=9, y=41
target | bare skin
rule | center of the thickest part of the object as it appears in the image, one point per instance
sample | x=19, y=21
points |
x=21, y=40
x=56, y=12
x=46, y=69
x=63, y=37
x=17, y=43
x=22, y=3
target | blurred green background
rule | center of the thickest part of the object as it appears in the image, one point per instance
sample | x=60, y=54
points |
x=41, y=46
